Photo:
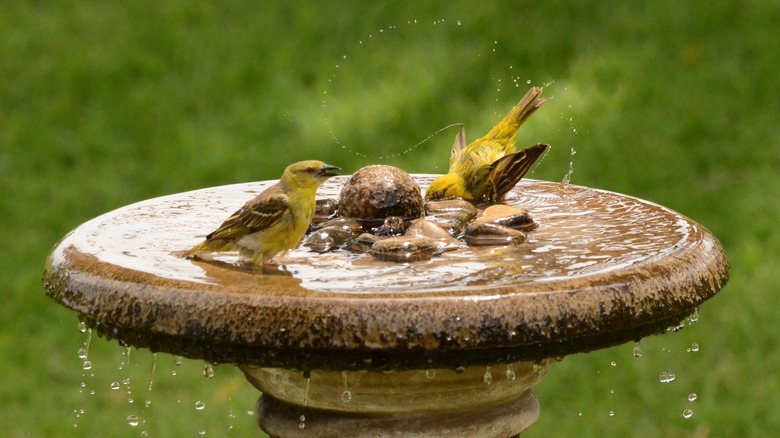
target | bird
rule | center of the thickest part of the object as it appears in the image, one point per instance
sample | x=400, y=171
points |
x=274, y=221
x=488, y=168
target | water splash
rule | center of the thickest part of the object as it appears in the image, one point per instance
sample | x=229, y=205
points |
x=666, y=377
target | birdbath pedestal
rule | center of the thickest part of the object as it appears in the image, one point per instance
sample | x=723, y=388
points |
x=344, y=345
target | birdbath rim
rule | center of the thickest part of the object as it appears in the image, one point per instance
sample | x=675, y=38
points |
x=120, y=274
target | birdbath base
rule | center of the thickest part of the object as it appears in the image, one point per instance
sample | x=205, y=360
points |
x=280, y=420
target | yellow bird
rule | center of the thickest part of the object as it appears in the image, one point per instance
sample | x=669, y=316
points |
x=488, y=168
x=274, y=221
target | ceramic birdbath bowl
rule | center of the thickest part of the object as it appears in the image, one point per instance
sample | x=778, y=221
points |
x=345, y=345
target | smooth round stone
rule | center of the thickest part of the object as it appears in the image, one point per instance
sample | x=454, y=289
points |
x=376, y=192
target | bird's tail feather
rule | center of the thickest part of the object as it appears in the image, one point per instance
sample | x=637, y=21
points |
x=506, y=129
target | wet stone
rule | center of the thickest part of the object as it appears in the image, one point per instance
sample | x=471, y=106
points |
x=485, y=233
x=507, y=216
x=363, y=243
x=324, y=210
x=333, y=234
x=440, y=237
x=393, y=226
x=404, y=249
x=376, y=192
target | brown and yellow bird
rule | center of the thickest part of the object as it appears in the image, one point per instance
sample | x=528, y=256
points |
x=488, y=168
x=274, y=221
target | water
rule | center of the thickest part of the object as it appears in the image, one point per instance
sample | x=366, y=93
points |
x=590, y=233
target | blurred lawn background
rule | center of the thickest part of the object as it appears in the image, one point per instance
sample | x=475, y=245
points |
x=104, y=104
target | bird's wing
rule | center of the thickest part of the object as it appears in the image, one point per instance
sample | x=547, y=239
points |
x=256, y=215
x=509, y=169
x=458, y=146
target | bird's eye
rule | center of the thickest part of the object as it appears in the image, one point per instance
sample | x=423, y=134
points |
x=310, y=170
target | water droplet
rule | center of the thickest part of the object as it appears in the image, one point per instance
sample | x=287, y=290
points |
x=87, y=365
x=666, y=377
x=537, y=368
x=82, y=353
x=231, y=414
x=199, y=405
x=132, y=420
x=637, y=350
x=458, y=22
x=82, y=327
x=201, y=432
x=694, y=317
x=430, y=374
x=528, y=82
x=346, y=396
x=208, y=371
x=613, y=363
x=692, y=396
x=114, y=385
x=687, y=414
x=177, y=360
x=611, y=413
x=693, y=348
x=488, y=378
x=579, y=414
x=510, y=373
x=148, y=403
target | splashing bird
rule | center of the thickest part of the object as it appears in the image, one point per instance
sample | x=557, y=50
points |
x=488, y=168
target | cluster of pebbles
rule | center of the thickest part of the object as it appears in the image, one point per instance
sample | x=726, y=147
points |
x=380, y=211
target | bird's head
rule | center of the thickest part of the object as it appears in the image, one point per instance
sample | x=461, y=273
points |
x=446, y=186
x=309, y=174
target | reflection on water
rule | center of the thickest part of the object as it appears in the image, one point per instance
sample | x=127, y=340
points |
x=581, y=232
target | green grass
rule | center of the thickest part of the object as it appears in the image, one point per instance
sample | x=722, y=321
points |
x=104, y=104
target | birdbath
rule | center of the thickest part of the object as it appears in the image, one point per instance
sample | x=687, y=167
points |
x=345, y=345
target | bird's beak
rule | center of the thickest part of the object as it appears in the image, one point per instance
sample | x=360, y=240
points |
x=329, y=170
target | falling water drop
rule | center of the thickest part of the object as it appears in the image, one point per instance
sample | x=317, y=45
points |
x=666, y=377
x=199, y=405
x=87, y=365
x=154, y=367
x=510, y=373
x=346, y=396
x=488, y=378
x=177, y=360
x=82, y=327
x=637, y=350
x=692, y=396
x=132, y=420
x=82, y=353
x=694, y=317
x=687, y=414
x=208, y=371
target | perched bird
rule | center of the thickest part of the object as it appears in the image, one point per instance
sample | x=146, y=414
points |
x=489, y=167
x=274, y=221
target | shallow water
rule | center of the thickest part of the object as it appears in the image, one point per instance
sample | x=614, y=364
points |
x=581, y=232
